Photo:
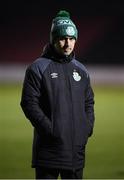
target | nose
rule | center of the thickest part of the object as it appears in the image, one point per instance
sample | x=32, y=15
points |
x=67, y=41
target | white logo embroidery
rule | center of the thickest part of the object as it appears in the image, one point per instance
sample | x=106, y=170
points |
x=70, y=31
x=63, y=22
x=76, y=76
x=54, y=75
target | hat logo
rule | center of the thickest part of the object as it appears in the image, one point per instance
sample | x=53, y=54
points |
x=70, y=31
x=63, y=22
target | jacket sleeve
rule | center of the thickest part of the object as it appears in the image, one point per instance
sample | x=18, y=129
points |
x=30, y=102
x=89, y=106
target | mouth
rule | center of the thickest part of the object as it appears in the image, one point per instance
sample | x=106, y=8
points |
x=67, y=49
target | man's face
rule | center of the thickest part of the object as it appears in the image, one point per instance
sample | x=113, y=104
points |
x=65, y=45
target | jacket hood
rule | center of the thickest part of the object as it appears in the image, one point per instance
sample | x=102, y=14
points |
x=50, y=53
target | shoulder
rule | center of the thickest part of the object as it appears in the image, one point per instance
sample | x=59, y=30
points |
x=39, y=65
x=80, y=66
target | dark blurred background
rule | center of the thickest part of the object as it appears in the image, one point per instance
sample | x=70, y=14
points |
x=25, y=27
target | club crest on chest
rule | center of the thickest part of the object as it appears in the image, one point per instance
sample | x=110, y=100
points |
x=76, y=76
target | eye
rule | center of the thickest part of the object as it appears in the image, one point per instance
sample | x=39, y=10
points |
x=62, y=38
x=72, y=39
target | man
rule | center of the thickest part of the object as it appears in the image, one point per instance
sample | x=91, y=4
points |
x=58, y=100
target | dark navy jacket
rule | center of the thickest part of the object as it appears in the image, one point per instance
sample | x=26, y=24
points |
x=58, y=100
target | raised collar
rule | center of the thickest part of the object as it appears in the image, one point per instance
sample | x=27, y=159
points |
x=49, y=52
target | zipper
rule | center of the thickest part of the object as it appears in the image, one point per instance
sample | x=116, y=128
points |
x=68, y=83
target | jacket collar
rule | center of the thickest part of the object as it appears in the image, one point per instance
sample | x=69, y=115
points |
x=50, y=53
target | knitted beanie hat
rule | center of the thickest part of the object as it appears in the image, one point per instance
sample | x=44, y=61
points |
x=62, y=26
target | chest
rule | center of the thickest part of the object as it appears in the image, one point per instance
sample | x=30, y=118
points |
x=64, y=76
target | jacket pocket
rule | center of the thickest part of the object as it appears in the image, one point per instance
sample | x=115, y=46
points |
x=56, y=131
